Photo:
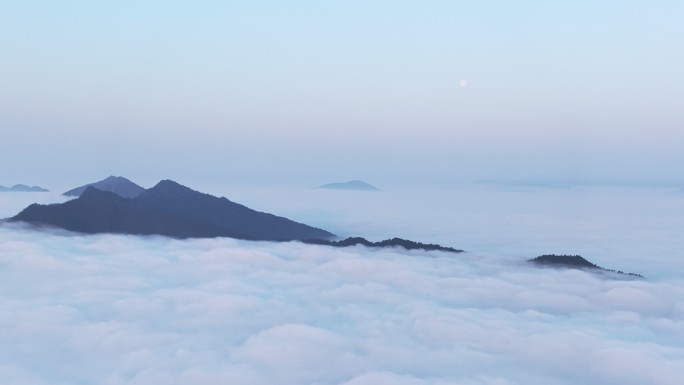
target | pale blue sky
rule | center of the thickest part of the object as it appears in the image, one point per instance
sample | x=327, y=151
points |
x=317, y=91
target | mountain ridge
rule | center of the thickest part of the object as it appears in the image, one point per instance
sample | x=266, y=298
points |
x=169, y=209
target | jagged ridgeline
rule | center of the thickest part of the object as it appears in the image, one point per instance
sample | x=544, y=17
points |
x=394, y=242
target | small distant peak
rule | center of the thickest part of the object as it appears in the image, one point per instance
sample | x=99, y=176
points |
x=116, y=184
x=91, y=192
x=165, y=183
x=117, y=180
x=566, y=260
x=170, y=185
x=23, y=188
x=576, y=262
x=350, y=185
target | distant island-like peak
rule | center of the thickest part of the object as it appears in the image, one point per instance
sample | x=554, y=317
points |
x=574, y=262
x=355, y=185
x=116, y=184
x=23, y=188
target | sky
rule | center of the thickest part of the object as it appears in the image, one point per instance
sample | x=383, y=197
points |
x=295, y=92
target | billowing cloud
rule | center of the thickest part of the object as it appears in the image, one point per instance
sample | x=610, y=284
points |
x=113, y=310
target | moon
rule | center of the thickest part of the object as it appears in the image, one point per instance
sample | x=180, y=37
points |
x=463, y=83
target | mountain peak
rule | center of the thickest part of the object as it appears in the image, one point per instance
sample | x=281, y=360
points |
x=574, y=262
x=564, y=260
x=91, y=191
x=113, y=178
x=168, y=186
x=350, y=185
x=168, y=183
x=116, y=184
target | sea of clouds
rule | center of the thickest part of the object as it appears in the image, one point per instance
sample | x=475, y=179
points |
x=114, y=309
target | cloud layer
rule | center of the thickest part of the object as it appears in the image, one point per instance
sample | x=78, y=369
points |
x=126, y=310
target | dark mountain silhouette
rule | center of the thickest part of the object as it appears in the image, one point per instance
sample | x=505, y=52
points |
x=351, y=185
x=574, y=262
x=394, y=242
x=22, y=188
x=564, y=260
x=98, y=211
x=235, y=218
x=116, y=184
x=168, y=209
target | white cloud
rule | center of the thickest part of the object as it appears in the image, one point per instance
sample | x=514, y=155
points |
x=125, y=310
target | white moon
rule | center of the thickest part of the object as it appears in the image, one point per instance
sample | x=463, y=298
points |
x=463, y=83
